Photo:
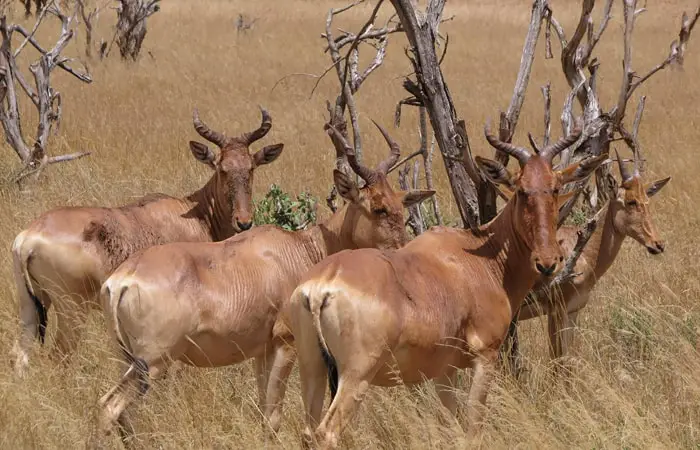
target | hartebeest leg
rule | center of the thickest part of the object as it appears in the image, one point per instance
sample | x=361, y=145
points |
x=483, y=366
x=314, y=376
x=132, y=385
x=352, y=388
x=70, y=317
x=561, y=321
x=280, y=367
x=445, y=388
x=29, y=322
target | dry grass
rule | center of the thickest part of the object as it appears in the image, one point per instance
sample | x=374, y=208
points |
x=636, y=379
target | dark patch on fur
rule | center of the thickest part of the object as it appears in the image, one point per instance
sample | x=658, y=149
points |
x=117, y=241
x=332, y=371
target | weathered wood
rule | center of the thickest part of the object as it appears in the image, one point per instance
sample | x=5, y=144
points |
x=46, y=99
x=131, y=26
x=421, y=30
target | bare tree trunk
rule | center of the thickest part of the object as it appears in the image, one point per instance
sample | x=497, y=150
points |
x=131, y=25
x=451, y=138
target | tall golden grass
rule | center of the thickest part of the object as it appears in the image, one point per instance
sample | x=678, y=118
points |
x=636, y=377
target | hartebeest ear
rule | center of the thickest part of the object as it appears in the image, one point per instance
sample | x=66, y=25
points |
x=345, y=186
x=580, y=170
x=563, y=198
x=653, y=188
x=410, y=198
x=496, y=173
x=267, y=154
x=203, y=153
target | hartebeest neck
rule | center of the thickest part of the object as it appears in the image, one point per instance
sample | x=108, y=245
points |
x=509, y=257
x=330, y=236
x=605, y=243
x=211, y=207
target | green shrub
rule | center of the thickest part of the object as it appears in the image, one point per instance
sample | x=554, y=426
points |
x=278, y=208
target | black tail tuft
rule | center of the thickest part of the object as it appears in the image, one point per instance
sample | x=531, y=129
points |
x=41, y=313
x=140, y=365
x=332, y=371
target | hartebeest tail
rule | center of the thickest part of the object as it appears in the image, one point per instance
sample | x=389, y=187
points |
x=217, y=304
x=441, y=302
x=24, y=283
x=62, y=258
x=315, y=308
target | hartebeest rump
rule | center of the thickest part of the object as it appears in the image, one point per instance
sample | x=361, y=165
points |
x=626, y=214
x=65, y=255
x=442, y=302
x=217, y=304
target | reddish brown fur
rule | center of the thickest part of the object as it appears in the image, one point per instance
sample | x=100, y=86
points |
x=442, y=302
x=63, y=257
x=626, y=214
x=217, y=304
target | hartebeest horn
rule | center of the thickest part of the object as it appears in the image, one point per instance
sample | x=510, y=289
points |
x=533, y=143
x=519, y=153
x=265, y=126
x=206, y=132
x=624, y=173
x=365, y=173
x=562, y=144
x=394, y=151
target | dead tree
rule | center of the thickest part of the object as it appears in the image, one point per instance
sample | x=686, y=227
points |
x=243, y=23
x=604, y=127
x=89, y=16
x=131, y=27
x=350, y=77
x=38, y=5
x=45, y=98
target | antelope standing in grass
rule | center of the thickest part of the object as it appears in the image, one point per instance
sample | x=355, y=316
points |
x=217, y=304
x=626, y=214
x=65, y=255
x=441, y=303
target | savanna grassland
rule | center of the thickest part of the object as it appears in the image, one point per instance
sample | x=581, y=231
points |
x=636, y=375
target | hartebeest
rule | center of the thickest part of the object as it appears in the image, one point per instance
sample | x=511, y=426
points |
x=442, y=302
x=65, y=255
x=217, y=304
x=626, y=214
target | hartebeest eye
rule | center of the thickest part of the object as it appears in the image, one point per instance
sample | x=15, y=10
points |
x=632, y=203
x=380, y=211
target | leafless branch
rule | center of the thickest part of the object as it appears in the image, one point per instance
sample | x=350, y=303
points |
x=47, y=100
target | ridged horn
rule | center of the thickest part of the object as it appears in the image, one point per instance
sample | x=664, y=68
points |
x=206, y=132
x=519, y=153
x=365, y=173
x=394, y=151
x=265, y=126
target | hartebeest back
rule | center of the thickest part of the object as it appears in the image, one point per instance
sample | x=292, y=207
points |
x=442, y=302
x=217, y=304
x=626, y=214
x=65, y=255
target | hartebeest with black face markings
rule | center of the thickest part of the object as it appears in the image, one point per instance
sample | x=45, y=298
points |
x=65, y=255
x=626, y=214
x=218, y=304
x=442, y=302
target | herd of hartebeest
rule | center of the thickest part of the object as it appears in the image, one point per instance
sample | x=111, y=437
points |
x=189, y=279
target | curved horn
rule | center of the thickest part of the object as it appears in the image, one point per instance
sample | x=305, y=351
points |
x=265, y=125
x=624, y=173
x=394, y=151
x=206, y=132
x=365, y=173
x=562, y=144
x=533, y=143
x=519, y=153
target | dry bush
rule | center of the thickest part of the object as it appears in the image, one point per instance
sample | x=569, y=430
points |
x=635, y=381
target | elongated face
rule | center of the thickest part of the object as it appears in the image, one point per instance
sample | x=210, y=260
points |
x=376, y=212
x=234, y=166
x=633, y=216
